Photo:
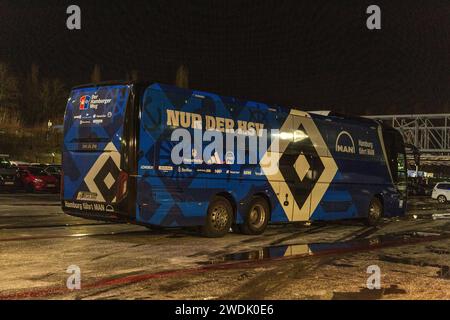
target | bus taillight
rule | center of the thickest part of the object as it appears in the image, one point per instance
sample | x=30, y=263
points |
x=122, y=185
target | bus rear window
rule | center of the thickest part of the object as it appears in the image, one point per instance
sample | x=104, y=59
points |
x=96, y=114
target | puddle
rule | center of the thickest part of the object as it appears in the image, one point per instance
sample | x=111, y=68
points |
x=443, y=272
x=439, y=216
x=307, y=249
x=367, y=294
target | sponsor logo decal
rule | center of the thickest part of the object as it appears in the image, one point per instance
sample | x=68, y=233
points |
x=366, y=148
x=97, y=101
x=345, y=143
x=84, y=206
x=229, y=157
x=84, y=102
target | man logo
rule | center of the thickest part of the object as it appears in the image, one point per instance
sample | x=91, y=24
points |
x=345, y=143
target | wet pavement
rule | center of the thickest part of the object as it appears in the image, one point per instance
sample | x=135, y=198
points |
x=319, y=261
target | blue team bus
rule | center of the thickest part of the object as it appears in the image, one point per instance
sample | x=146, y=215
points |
x=118, y=165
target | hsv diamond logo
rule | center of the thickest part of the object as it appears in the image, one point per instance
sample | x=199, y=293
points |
x=306, y=187
x=84, y=102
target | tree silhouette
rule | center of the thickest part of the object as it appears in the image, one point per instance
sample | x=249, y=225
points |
x=9, y=94
x=96, y=75
x=182, y=77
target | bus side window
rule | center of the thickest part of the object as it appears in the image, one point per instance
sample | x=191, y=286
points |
x=287, y=158
x=321, y=144
x=154, y=129
x=302, y=142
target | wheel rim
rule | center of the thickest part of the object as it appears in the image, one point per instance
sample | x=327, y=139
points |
x=219, y=217
x=374, y=211
x=257, y=216
x=441, y=199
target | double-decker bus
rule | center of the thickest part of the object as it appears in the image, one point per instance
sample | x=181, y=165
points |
x=125, y=158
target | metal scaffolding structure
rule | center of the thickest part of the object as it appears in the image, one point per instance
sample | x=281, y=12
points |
x=430, y=133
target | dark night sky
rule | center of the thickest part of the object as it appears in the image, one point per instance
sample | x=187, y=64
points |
x=309, y=54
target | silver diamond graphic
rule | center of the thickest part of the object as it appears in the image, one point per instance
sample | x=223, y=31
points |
x=109, y=180
x=302, y=166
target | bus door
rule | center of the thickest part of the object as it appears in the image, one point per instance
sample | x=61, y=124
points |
x=294, y=165
x=325, y=200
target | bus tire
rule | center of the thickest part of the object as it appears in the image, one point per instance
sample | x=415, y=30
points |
x=257, y=217
x=375, y=212
x=219, y=218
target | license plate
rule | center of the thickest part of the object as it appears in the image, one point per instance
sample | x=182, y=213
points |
x=86, y=196
x=51, y=185
x=9, y=183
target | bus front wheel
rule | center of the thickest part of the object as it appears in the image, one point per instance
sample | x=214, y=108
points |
x=219, y=218
x=257, y=217
x=375, y=212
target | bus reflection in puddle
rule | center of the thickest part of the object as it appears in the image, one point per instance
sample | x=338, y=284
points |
x=311, y=249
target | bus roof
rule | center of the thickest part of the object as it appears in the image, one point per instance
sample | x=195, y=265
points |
x=249, y=103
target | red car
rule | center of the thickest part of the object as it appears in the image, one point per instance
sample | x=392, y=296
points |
x=35, y=179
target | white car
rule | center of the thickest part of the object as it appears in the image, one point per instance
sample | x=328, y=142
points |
x=441, y=192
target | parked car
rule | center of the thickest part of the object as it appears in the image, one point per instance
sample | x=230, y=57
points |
x=55, y=171
x=419, y=189
x=18, y=164
x=441, y=192
x=8, y=179
x=36, y=179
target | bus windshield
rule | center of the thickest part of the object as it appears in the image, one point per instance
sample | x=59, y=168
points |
x=96, y=114
x=395, y=152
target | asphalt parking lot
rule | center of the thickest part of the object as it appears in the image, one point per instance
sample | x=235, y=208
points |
x=38, y=243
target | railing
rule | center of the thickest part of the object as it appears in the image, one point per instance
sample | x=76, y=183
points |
x=430, y=133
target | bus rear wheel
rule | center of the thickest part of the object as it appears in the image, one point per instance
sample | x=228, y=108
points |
x=257, y=217
x=375, y=212
x=219, y=218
